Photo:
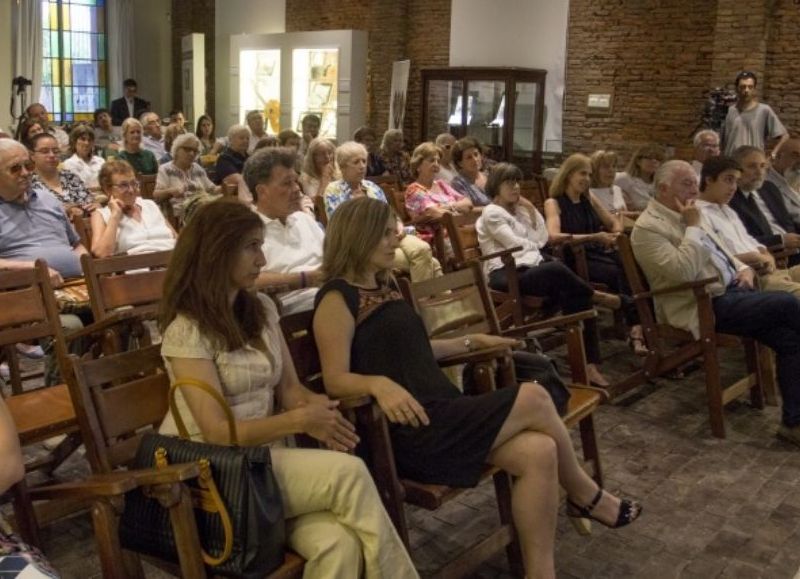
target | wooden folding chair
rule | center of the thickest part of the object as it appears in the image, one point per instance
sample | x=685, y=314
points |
x=670, y=347
x=83, y=227
x=118, y=398
x=376, y=449
x=147, y=184
x=464, y=293
x=28, y=311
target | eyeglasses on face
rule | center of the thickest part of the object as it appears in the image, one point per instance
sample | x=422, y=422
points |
x=46, y=151
x=126, y=186
x=17, y=168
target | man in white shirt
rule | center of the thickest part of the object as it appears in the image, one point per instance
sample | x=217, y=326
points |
x=785, y=175
x=706, y=145
x=153, y=140
x=37, y=113
x=750, y=122
x=718, y=184
x=292, y=239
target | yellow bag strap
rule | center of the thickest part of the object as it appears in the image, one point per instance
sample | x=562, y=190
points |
x=233, y=438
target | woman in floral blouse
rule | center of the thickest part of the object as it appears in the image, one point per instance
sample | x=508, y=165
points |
x=65, y=185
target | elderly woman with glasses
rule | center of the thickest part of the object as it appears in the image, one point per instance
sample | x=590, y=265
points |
x=65, y=185
x=83, y=162
x=182, y=177
x=128, y=224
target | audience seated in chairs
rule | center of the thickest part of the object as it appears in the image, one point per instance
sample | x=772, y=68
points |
x=394, y=159
x=367, y=334
x=672, y=246
x=604, y=170
x=217, y=331
x=181, y=178
x=209, y=145
x=107, y=137
x=16, y=558
x=367, y=137
x=445, y=142
x=636, y=181
x=37, y=112
x=718, y=184
x=26, y=130
x=143, y=161
x=231, y=159
x=574, y=212
x=467, y=157
x=65, y=185
x=83, y=162
x=761, y=206
x=153, y=137
x=505, y=224
x=785, y=174
x=414, y=255
x=706, y=146
x=309, y=128
x=318, y=171
x=128, y=223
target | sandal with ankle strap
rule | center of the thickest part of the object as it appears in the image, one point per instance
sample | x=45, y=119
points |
x=629, y=511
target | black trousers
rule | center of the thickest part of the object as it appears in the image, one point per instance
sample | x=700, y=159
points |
x=606, y=268
x=559, y=284
x=772, y=318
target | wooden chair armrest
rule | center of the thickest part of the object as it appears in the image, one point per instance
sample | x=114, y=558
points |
x=555, y=321
x=483, y=355
x=503, y=254
x=165, y=475
x=96, y=486
x=565, y=238
x=115, y=319
x=689, y=285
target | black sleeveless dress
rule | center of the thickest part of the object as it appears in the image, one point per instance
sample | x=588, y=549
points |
x=390, y=340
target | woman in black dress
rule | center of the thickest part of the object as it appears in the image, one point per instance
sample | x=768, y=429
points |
x=573, y=211
x=372, y=342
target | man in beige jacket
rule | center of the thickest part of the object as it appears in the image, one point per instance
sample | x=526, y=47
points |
x=672, y=246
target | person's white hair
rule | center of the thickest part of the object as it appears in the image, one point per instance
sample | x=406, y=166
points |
x=700, y=135
x=143, y=118
x=237, y=129
x=666, y=172
x=348, y=151
x=184, y=140
x=9, y=146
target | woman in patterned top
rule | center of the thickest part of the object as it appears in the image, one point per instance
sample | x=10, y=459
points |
x=182, y=177
x=65, y=185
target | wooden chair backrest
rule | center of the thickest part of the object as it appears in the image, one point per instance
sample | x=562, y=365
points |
x=319, y=209
x=83, y=227
x=117, y=398
x=298, y=333
x=28, y=309
x=147, y=184
x=535, y=191
x=395, y=195
x=114, y=282
x=463, y=236
x=638, y=284
x=454, y=304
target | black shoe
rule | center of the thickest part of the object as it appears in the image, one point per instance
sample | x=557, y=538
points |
x=629, y=511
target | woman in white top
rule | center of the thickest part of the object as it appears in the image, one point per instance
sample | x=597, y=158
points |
x=504, y=224
x=128, y=224
x=83, y=162
x=604, y=170
x=218, y=331
x=637, y=180
x=182, y=177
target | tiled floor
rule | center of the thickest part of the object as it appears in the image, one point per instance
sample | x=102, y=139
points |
x=713, y=508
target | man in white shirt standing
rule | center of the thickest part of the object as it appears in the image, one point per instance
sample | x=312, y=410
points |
x=153, y=139
x=718, y=184
x=292, y=239
x=750, y=122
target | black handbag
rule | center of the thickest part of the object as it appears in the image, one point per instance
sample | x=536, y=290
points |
x=237, y=501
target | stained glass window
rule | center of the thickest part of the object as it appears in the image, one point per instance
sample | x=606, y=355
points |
x=74, y=65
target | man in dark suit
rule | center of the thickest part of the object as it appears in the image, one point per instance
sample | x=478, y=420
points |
x=129, y=105
x=760, y=204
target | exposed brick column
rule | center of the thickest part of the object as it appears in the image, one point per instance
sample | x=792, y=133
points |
x=740, y=39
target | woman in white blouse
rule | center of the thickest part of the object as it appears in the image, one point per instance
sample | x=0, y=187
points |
x=604, y=171
x=128, y=224
x=182, y=177
x=504, y=224
x=83, y=162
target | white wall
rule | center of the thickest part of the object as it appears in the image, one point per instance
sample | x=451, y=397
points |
x=6, y=64
x=524, y=33
x=152, y=24
x=239, y=17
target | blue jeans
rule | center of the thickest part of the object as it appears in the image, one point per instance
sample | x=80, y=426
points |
x=772, y=318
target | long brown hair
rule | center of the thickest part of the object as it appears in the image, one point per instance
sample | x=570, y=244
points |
x=198, y=281
x=353, y=233
x=573, y=163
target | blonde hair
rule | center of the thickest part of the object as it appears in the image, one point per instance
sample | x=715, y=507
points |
x=353, y=233
x=422, y=152
x=348, y=151
x=573, y=163
x=309, y=168
x=599, y=159
x=128, y=123
x=650, y=151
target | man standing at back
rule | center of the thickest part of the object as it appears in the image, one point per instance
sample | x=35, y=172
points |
x=750, y=122
x=129, y=105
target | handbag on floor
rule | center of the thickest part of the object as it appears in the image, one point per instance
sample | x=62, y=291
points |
x=237, y=501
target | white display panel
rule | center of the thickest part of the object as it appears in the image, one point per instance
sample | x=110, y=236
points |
x=314, y=87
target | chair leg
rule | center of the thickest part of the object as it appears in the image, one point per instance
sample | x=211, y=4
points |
x=590, y=450
x=754, y=369
x=25, y=514
x=713, y=388
x=115, y=562
x=767, y=363
x=502, y=487
x=181, y=515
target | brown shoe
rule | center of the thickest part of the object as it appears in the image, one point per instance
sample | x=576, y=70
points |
x=789, y=434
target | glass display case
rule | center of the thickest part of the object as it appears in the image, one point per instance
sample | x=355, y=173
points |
x=260, y=88
x=314, y=90
x=504, y=110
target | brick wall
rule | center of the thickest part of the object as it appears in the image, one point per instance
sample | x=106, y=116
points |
x=189, y=16
x=398, y=30
x=780, y=84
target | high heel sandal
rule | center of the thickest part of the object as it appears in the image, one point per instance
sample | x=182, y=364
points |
x=638, y=346
x=580, y=516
